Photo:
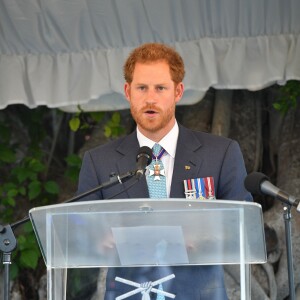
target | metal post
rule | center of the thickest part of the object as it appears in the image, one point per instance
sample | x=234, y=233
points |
x=287, y=222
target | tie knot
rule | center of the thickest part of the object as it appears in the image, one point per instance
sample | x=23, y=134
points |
x=156, y=149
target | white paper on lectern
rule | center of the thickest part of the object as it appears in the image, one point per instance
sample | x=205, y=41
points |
x=150, y=245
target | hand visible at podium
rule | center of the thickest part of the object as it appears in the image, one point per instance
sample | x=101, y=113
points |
x=107, y=244
x=190, y=244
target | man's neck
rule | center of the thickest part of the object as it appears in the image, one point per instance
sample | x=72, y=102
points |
x=157, y=135
x=168, y=142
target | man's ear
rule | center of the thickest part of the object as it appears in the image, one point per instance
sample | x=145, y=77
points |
x=179, y=89
x=127, y=91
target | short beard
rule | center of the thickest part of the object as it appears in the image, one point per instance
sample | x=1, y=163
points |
x=150, y=126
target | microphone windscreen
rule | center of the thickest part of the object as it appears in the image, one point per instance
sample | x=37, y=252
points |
x=253, y=182
x=145, y=151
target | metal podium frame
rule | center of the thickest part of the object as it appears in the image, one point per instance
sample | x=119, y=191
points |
x=105, y=234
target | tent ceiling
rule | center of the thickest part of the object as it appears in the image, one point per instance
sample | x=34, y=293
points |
x=64, y=53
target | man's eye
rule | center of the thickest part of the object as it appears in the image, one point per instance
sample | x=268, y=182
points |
x=161, y=88
x=141, y=88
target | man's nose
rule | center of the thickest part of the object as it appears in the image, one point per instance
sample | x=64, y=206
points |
x=151, y=96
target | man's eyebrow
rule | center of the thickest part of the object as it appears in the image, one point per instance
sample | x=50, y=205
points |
x=156, y=84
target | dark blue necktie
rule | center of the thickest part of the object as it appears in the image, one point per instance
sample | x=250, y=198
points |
x=156, y=181
x=156, y=178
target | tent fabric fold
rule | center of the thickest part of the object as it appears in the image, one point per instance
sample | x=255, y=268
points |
x=63, y=53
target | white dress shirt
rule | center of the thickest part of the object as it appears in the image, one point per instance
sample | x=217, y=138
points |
x=169, y=143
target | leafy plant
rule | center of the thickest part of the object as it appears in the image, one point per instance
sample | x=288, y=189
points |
x=87, y=120
x=289, y=95
x=27, y=177
x=73, y=167
x=113, y=127
x=22, y=176
x=27, y=254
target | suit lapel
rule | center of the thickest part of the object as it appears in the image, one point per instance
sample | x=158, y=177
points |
x=187, y=164
x=129, y=149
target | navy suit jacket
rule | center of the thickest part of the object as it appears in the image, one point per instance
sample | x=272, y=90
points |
x=207, y=155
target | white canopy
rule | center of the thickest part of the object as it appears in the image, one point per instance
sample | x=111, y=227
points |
x=64, y=53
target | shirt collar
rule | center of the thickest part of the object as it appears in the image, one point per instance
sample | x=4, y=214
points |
x=168, y=142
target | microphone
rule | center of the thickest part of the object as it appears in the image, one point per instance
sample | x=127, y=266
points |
x=258, y=183
x=143, y=159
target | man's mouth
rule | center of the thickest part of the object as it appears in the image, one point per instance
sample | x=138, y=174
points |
x=150, y=112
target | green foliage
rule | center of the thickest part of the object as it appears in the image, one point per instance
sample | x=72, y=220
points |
x=27, y=254
x=29, y=251
x=289, y=95
x=73, y=167
x=113, y=127
x=7, y=154
x=85, y=120
x=74, y=123
x=26, y=181
x=23, y=183
x=26, y=155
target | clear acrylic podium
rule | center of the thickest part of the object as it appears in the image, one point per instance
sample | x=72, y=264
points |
x=178, y=232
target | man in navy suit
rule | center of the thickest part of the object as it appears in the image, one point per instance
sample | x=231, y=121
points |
x=154, y=74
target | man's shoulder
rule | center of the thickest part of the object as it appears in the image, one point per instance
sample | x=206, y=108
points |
x=205, y=137
x=109, y=145
x=114, y=144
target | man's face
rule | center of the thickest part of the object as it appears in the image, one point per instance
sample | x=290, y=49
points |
x=152, y=95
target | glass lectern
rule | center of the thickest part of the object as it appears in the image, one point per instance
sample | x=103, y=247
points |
x=179, y=232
